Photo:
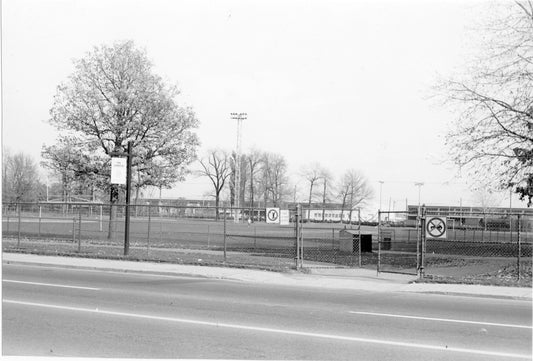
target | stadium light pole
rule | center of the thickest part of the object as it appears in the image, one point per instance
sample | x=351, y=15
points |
x=380, y=190
x=239, y=117
x=419, y=185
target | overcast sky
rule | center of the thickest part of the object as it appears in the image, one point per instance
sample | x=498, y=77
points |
x=342, y=83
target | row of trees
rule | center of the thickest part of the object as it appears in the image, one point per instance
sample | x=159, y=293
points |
x=264, y=178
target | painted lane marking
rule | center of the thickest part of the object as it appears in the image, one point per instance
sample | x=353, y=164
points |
x=275, y=330
x=441, y=319
x=52, y=285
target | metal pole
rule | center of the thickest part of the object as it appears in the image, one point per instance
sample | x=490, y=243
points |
x=359, y=216
x=379, y=243
x=101, y=218
x=79, y=230
x=297, y=234
x=73, y=229
x=149, y=226
x=302, y=242
x=128, y=190
x=18, y=232
x=40, y=214
x=423, y=244
x=519, y=249
x=224, y=234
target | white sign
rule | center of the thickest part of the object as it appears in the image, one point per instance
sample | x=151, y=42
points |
x=118, y=170
x=284, y=217
x=272, y=215
x=436, y=227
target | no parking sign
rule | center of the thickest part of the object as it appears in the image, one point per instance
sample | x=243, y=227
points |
x=436, y=227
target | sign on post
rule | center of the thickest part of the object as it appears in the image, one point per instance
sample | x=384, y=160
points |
x=272, y=215
x=436, y=227
x=118, y=170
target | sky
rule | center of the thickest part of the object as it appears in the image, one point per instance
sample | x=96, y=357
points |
x=346, y=84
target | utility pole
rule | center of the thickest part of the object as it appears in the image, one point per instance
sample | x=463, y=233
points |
x=239, y=117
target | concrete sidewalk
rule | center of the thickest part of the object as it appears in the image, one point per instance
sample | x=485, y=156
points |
x=349, y=279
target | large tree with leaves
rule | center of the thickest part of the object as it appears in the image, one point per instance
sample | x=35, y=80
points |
x=113, y=97
x=493, y=136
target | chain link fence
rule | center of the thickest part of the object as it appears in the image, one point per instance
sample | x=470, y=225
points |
x=467, y=247
x=477, y=246
x=188, y=234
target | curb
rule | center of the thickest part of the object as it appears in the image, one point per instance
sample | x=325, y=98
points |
x=364, y=284
x=110, y=269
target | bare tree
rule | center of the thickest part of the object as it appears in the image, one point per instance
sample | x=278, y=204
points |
x=327, y=178
x=254, y=158
x=275, y=177
x=20, y=178
x=354, y=191
x=311, y=174
x=217, y=168
x=493, y=136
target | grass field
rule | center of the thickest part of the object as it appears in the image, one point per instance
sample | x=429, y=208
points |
x=266, y=246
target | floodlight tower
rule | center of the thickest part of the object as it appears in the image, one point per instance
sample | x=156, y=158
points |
x=239, y=118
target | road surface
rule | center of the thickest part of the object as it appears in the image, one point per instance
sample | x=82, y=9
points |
x=50, y=311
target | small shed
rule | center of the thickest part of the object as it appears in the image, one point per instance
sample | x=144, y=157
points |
x=349, y=241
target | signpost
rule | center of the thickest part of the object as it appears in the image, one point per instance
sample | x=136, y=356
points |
x=121, y=174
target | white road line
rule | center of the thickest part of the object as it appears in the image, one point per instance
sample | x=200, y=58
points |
x=52, y=285
x=442, y=319
x=278, y=331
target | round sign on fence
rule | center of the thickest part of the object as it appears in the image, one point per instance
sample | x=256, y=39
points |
x=272, y=215
x=436, y=227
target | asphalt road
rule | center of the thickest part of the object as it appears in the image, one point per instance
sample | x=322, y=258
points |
x=51, y=311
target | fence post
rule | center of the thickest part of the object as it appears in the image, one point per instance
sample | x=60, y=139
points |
x=40, y=215
x=73, y=229
x=101, y=218
x=160, y=226
x=519, y=248
x=423, y=243
x=208, y=236
x=255, y=237
x=79, y=230
x=359, y=246
x=149, y=225
x=18, y=232
x=418, y=242
x=224, y=234
x=302, y=243
x=297, y=235
x=379, y=240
